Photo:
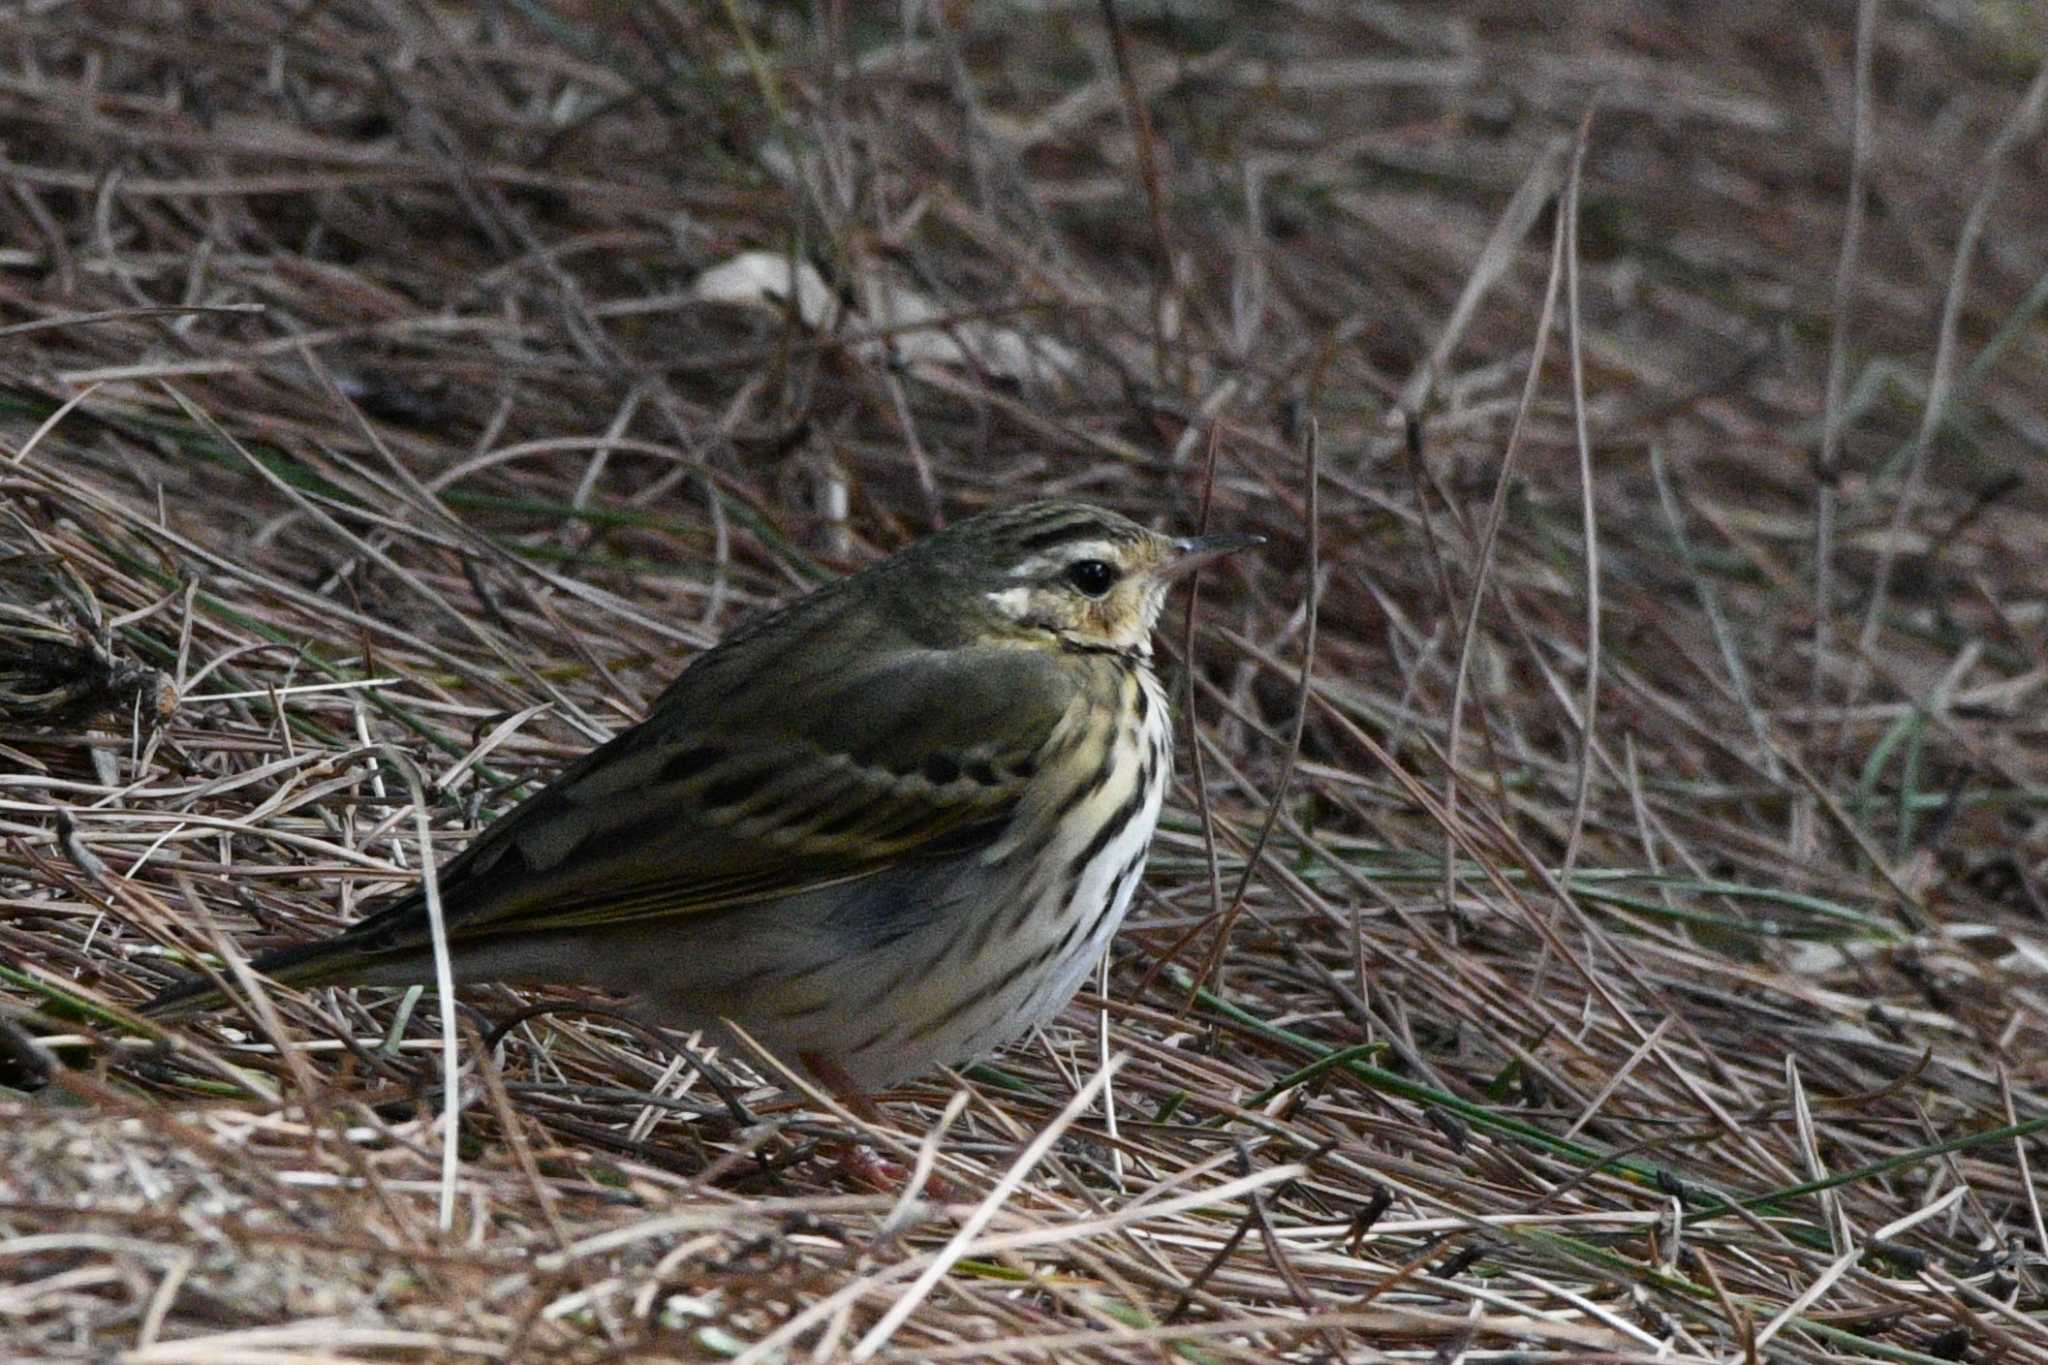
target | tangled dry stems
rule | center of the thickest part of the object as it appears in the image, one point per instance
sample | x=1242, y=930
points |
x=1718, y=1034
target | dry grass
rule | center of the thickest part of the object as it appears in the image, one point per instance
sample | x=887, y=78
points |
x=1716, y=1033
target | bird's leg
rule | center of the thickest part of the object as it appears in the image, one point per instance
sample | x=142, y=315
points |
x=863, y=1163
x=833, y=1077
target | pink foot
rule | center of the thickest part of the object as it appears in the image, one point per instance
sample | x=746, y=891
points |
x=865, y=1166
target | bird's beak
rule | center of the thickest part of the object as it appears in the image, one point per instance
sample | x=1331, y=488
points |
x=1192, y=552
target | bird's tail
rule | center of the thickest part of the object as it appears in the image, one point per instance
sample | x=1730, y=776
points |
x=349, y=958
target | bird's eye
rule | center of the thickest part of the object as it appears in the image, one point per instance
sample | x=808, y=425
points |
x=1091, y=576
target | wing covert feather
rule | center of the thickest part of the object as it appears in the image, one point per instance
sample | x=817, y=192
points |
x=921, y=753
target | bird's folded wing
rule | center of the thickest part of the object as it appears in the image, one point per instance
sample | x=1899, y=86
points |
x=918, y=754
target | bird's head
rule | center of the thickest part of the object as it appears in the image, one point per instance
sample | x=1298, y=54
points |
x=1064, y=573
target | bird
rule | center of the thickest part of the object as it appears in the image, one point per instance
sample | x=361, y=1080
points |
x=889, y=827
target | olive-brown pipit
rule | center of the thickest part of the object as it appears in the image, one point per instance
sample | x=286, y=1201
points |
x=888, y=827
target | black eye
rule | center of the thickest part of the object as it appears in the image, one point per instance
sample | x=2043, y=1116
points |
x=1091, y=576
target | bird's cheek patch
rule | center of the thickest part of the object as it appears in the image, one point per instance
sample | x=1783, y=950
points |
x=1111, y=617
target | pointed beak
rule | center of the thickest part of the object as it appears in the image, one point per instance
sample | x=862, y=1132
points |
x=1192, y=552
